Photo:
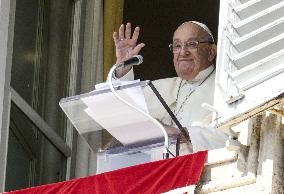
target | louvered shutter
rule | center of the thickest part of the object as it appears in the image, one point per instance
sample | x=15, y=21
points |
x=250, y=59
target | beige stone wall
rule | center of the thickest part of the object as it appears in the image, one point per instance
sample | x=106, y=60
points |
x=259, y=167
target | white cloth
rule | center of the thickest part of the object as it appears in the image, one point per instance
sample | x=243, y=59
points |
x=189, y=112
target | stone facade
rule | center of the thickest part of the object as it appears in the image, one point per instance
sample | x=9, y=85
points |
x=257, y=166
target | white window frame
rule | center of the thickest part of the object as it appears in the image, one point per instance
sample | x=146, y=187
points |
x=7, y=18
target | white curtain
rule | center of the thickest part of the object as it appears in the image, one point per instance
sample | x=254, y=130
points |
x=92, y=73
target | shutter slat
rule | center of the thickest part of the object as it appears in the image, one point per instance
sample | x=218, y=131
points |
x=250, y=59
x=260, y=35
x=259, y=52
x=252, y=7
x=260, y=19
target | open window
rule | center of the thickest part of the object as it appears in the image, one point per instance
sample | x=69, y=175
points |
x=250, y=62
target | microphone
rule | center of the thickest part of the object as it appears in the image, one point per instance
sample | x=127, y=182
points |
x=135, y=60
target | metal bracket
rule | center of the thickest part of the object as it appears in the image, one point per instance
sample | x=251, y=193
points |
x=212, y=109
x=236, y=95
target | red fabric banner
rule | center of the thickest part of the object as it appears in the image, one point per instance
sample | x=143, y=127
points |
x=154, y=177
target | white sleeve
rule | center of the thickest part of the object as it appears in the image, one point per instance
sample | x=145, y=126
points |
x=127, y=77
x=206, y=138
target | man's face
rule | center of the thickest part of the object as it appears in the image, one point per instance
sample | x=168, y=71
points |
x=189, y=62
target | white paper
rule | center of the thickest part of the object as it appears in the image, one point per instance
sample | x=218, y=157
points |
x=135, y=94
x=123, y=122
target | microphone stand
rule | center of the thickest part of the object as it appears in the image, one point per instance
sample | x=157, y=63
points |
x=166, y=142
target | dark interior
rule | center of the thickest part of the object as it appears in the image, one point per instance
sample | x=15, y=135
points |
x=158, y=19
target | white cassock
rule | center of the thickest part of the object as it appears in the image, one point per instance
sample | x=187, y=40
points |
x=185, y=99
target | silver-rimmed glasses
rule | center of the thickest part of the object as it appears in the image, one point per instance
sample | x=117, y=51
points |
x=189, y=45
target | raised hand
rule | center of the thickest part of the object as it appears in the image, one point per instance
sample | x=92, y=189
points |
x=126, y=43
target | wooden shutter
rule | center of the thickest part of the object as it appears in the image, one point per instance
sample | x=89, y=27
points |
x=250, y=60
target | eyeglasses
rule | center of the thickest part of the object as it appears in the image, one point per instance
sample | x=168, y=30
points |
x=176, y=47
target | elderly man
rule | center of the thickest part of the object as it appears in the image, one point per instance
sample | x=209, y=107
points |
x=194, y=52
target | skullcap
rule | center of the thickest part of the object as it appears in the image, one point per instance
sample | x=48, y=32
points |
x=203, y=26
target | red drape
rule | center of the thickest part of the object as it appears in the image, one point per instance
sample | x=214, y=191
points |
x=153, y=177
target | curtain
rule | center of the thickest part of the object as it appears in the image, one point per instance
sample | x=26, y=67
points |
x=92, y=73
x=102, y=18
x=113, y=14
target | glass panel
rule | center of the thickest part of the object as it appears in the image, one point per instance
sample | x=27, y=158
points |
x=40, y=72
x=17, y=174
x=135, y=138
x=24, y=48
x=26, y=152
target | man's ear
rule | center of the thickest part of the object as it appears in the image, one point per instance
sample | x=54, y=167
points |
x=212, y=52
